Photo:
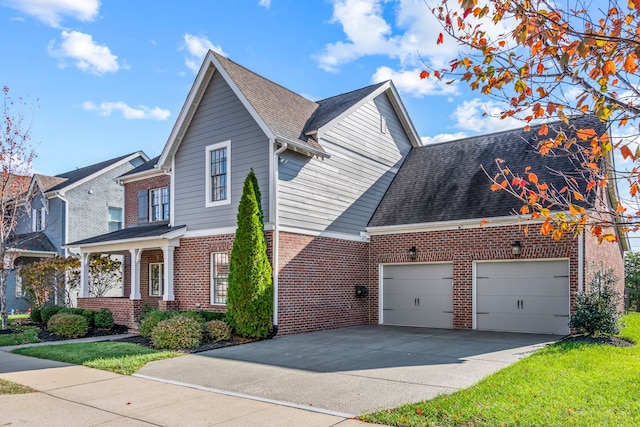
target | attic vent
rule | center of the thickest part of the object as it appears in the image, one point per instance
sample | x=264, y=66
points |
x=383, y=124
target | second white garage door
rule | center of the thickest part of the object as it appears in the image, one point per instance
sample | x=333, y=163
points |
x=418, y=295
x=523, y=296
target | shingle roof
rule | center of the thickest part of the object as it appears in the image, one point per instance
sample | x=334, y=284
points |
x=445, y=182
x=283, y=111
x=154, y=230
x=71, y=177
x=332, y=107
x=46, y=182
x=150, y=165
x=33, y=242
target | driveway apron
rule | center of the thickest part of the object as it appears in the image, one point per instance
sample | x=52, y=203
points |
x=352, y=370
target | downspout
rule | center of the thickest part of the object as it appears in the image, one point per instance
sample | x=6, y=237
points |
x=66, y=221
x=276, y=225
x=581, y=262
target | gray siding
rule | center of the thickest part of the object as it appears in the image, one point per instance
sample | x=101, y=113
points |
x=55, y=224
x=340, y=194
x=220, y=117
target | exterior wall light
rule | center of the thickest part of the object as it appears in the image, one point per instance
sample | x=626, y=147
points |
x=412, y=252
x=516, y=248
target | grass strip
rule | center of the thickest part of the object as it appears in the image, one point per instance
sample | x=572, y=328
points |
x=7, y=387
x=24, y=335
x=119, y=357
x=564, y=384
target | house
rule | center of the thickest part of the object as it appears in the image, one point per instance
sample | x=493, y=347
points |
x=69, y=206
x=346, y=193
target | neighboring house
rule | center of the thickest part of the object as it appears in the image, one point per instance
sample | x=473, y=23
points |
x=70, y=206
x=335, y=189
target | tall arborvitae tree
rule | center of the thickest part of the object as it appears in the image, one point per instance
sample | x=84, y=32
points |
x=250, y=293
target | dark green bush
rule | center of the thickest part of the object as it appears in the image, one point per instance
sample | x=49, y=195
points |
x=71, y=310
x=212, y=315
x=152, y=319
x=35, y=314
x=596, y=310
x=47, y=312
x=89, y=315
x=177, y=332
x=68, y=325
x=216, y=330
x=103, y=318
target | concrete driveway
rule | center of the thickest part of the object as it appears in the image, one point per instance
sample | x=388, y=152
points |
x=354, y=370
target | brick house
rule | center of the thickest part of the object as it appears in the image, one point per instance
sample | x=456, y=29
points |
x=336, y=178
x=69, y=206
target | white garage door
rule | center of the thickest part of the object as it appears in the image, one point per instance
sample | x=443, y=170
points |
x=418, y=295
x=523, y=296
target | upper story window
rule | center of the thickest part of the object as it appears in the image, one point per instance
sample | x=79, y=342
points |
x=39, y=219
x=154, y=205
x=218, y=180
x=159, y=199
x=115, y=219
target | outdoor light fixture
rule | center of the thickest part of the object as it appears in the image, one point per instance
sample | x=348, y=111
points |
x=516, y=249
x=412, y=252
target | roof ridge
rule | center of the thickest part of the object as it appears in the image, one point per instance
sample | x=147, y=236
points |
x=351, y=91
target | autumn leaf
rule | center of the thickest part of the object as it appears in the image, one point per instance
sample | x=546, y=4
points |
x=533, y=177
x=440, y=38
x=626, y=152
x=585, y=134
x=424, y=74
x=544, y=130
x=609, y=68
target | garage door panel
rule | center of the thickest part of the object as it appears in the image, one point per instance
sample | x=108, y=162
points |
x=518, y=322
x=418, y=295
x=523, y=296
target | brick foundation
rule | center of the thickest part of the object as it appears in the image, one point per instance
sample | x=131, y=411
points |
x=125, y=311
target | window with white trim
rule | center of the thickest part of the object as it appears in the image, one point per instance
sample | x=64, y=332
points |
x=159, y=204
x=156, y=279
x=18, y=284
x=39, y=219
x=115, y=219
x=218, y=179
x=219, y=277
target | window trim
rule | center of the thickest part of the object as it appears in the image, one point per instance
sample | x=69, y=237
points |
x=160, y=279
x=161, y=205
x=207, y=159
x=212, y=278
x=19, y=290
x=111, y=221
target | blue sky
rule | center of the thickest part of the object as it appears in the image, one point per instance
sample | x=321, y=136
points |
x=110, y=77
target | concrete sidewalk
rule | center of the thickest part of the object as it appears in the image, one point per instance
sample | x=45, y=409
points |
x=70, y=395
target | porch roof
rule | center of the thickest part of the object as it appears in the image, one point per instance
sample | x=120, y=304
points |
x=132, y=234
x=30, y=242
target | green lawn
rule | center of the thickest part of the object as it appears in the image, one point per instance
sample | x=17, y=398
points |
x=118, y=357
x=26, y=335
x=565, y=384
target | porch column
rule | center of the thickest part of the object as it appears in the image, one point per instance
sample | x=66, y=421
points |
x=135, y=273
x=167, y=252
x=84, y=275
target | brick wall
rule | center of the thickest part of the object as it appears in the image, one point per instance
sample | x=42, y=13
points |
x=602, y=256
x=462, y=247
x=317, y=279
x=131, y=195
x=125, y=311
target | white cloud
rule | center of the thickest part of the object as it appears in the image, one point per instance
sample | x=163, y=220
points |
x=265, y=3
x=85, y=53
x=51, y=12
x=198, y=47
x=443, y=137
x=470, y=115
x=129, y=113
x=409, y=82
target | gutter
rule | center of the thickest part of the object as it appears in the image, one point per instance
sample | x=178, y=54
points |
x=66, y=222
x=276, y=229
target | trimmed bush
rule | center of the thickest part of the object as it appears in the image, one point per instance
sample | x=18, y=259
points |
x=212, y=315
x=71, y=310
x=103, y=318
x=89, y=315
x=151, y=320
x=216, y=330
x=35, y=314
x=177, y=332
x=68, y=325
x=47, y=312
x=597, y=309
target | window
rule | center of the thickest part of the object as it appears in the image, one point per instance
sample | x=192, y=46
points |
x=156, y=278
x=38, y=219
x=115, y=219
x=218, y=181
x=219, y=275
x=18, y=284
x=159, y=202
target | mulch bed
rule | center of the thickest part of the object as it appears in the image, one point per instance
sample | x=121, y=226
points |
x=612, y=341
x=144, y=341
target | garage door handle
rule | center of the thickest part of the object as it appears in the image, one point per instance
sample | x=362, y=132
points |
x=560, y=315
x=482, y=312
x=448, y=312
x=387, y=309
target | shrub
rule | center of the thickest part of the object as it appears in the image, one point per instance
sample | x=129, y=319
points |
x=68, y=325
x=151, y=320
x=90, y=316
x=47, y=312
x=71, y=310
x=177, y=332
x=597, y=309
x=212, y=315
x=216, y=330
x=35, y=314
x=103, y=318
